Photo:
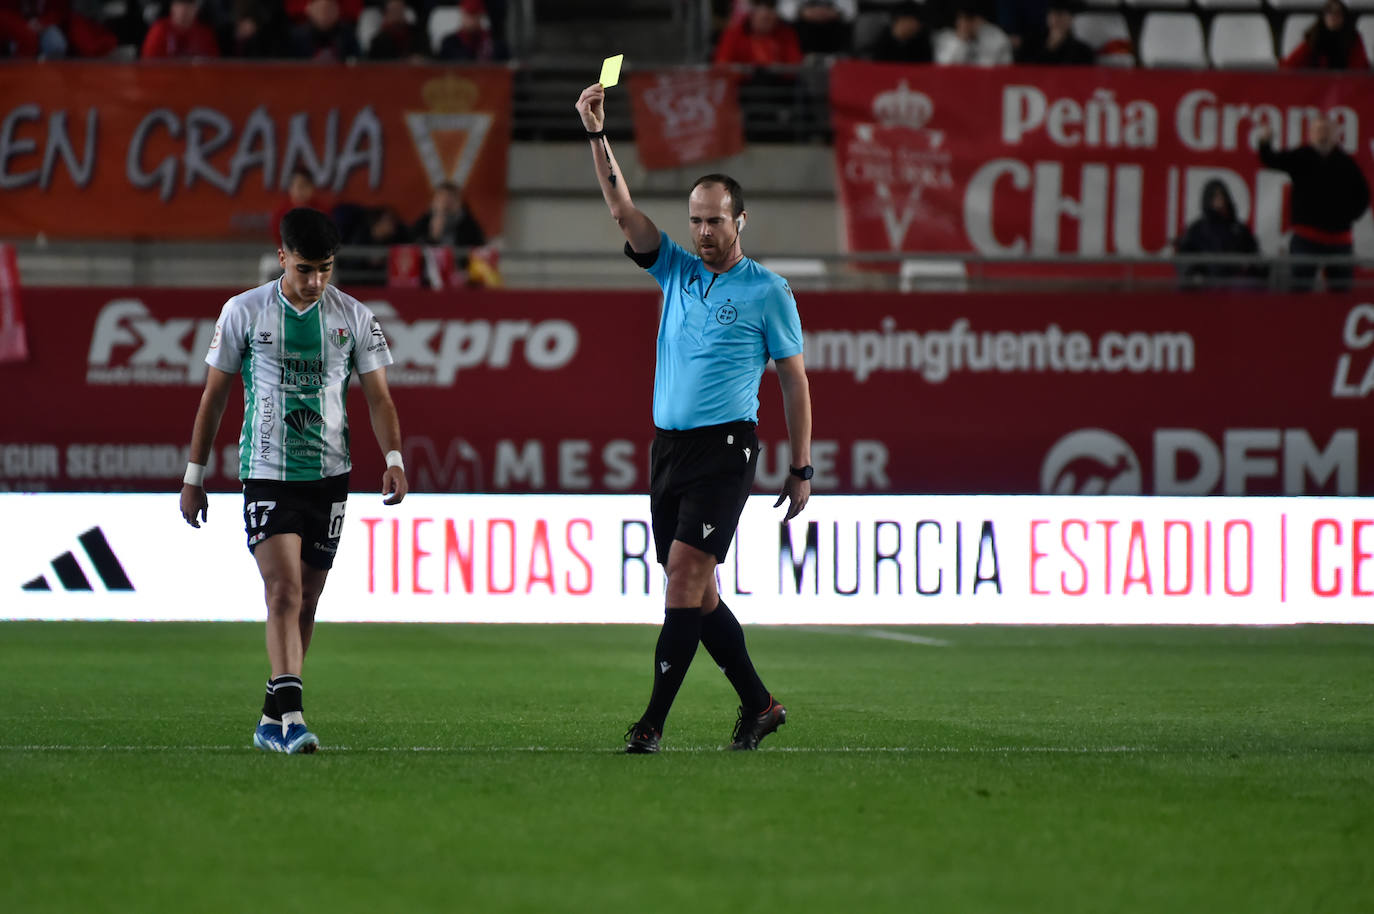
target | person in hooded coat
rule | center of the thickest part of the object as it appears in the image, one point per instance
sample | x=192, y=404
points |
x=1218, y=231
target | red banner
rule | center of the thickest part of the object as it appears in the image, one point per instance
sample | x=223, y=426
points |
x=162, y=151
x=1009, y=161
x=685, y=116
x=14, y=345
x=550, y=392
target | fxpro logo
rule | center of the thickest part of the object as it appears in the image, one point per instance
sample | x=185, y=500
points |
x=431, y=352
x=129, y=346
x=1190, y=462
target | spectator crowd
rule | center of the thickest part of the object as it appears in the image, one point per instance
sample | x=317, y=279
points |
x=757, y=33
x=982, y=33
x=320, y=30
x=773, y=39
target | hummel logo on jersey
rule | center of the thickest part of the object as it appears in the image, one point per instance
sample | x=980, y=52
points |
x=70, y=575
x=707, y=530
x=664, y=666
x=696, y=277
x=747, y=453
x=265, y=337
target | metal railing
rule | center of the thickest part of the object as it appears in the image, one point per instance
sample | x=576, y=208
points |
x=189, y=265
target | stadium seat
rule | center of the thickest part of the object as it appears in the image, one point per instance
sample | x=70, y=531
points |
x=1108, y=35
x=1359, y=5
x=1160, y=4
x=443, y=21
x=1365, y=26
x=1297, y=4
x=1240, y=41
x=1293, y=27
x=933, y=276
x=1229, y=4
x=1103, y=4
x=1172, y=40
x=269, y=268
x=369, y=23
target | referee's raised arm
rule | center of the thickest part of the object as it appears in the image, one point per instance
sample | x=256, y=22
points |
x=639, y=229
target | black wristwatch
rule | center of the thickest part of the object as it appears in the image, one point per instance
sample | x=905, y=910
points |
x=805, y=472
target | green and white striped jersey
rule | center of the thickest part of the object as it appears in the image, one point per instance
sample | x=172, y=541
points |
x=296, y=367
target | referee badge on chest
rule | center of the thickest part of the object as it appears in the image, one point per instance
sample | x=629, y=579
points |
x=726, y=314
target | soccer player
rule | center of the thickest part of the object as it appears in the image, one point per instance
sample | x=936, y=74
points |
x=724, y=316
x=296, y=340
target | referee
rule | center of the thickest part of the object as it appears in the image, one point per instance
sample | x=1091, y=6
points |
x=724, y=317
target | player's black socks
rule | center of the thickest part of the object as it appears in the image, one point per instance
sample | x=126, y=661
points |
x=269, y=703
x=724, y=641
x=288, y=692
x=677, y=645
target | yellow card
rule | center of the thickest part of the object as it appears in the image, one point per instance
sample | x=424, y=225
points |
x=610, y=71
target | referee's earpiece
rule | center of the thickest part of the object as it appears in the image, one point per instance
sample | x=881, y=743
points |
x=739, y=222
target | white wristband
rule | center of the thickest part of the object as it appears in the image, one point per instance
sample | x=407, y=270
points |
x=393, y=459
x=195, y=474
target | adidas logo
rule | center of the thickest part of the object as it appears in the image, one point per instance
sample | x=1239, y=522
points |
x=707, y=530
x=70, y=575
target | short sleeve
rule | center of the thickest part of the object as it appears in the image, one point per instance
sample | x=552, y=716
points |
x=230, y=340
x=781, y=322
x=670, y=260
x=371, y=351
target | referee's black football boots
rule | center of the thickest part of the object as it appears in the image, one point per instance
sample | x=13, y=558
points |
x=750, y=729
x=643, y=739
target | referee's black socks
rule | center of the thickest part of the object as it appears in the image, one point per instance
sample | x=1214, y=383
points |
x=724, y=641
x=677, y=645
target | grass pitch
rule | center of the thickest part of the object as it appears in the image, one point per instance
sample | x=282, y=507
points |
x=477, y=768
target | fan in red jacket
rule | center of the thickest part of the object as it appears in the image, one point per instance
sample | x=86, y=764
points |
x=759, y=38
x=181, y=34
x=1331, y=43
x=49, y=28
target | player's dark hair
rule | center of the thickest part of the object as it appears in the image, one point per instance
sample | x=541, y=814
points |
x=731, y=187
x=309, y=233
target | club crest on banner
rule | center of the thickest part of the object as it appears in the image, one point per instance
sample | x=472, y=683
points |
x=686, y=116
x=448, y=137
x=899, y=160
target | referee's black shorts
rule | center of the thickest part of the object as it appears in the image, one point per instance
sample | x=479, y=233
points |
x=700, y=479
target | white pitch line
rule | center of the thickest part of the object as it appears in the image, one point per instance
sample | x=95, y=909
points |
x=582, y=750
x=882, y=633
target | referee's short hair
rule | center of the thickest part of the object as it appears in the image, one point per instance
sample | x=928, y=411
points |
x=731, y=187
x=309, y=233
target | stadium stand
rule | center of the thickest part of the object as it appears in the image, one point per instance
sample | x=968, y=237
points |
x=1293, y=27
x=1241, y=41
x=1172, y=40
x=1365, y=26
x=1108, y=35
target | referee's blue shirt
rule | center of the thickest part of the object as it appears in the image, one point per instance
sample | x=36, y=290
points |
x=717, y=333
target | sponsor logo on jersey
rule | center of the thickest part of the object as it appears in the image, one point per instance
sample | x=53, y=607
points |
x=303, y=419
x=378, y=341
